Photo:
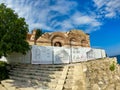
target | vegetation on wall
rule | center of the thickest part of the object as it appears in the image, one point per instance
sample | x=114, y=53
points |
x=112, y=66
x=3, y=71
x=13, y=32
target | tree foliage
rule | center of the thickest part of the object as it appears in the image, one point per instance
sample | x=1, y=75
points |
x=13, y=32
x=37, y=35
x=3, y=70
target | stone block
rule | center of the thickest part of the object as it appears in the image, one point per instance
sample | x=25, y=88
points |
x=111, y=87
x=117, y=87
x=95, y=87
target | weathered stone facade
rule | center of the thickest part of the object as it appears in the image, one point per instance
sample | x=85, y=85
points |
x=66, y=39
x=100, y=77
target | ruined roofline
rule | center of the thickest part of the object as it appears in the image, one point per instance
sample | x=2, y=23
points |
x=71, y=38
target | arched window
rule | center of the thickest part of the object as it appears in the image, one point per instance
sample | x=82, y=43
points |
x=83, y=43
x=57, y=44
x=73, y=41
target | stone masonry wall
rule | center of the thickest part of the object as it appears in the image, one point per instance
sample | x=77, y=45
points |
x=100, y=77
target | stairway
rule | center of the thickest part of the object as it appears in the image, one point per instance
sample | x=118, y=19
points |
x=75, y=78
x=45, y=77
x=42, y=77
x=69, y=79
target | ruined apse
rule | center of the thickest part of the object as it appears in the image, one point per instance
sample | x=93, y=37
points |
x=61, y=39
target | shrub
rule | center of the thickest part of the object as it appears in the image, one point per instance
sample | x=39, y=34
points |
x=3, y=70
x=112, y=66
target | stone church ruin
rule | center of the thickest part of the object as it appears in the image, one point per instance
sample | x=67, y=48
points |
x=61, y=39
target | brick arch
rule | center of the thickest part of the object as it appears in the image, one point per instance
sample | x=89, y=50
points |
x=57, y=34
x=84, y=42
x=58, y=37
x=74, y=41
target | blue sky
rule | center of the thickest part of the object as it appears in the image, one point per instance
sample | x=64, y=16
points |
x=99, y=18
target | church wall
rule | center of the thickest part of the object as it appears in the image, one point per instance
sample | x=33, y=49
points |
x=67, y=39
x=56, y=55
x=43, y=44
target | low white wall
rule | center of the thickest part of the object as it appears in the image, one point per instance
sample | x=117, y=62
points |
x=42, y=55
x=58, y=55
x=61, y=55
x=55, y=55
x=17, y=58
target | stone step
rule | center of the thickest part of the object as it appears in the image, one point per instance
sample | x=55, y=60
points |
x=55, y=75
x=17, y=84
x=45, y=77
x=39, y=66
x=26, y=78
x=2, y=87
x=13, y=83
x=34, y=71
x=45, y=69
x=35, y=76
x=33, y=82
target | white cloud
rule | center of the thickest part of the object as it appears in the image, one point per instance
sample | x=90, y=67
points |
x=110, y=15
x=91, y=21
x=100, y=3
x=38, y=25
x=38, y=14
x=43, y=14
x=108, y=8
x=83, y=19
x=63, y=6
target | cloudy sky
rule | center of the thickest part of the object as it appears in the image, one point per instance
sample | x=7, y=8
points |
x=99, y=18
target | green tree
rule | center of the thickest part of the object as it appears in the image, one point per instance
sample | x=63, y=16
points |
x=37, y=35
x=13, y=32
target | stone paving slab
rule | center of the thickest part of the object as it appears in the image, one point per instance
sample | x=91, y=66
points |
x=1, y=87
